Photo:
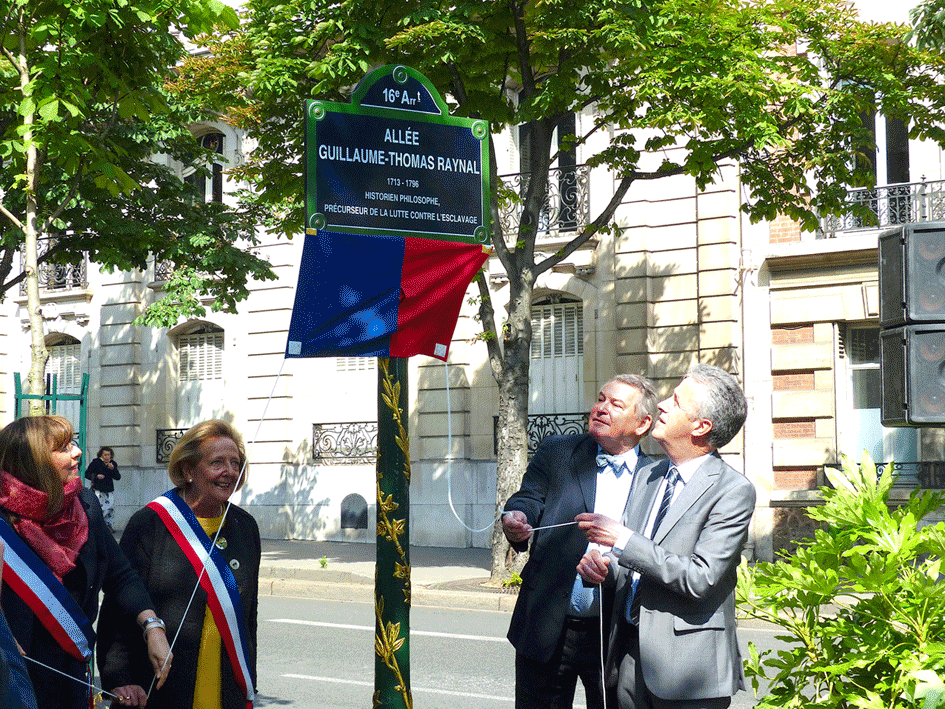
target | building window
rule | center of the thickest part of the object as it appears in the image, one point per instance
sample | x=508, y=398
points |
x=860, y=349
x=355, y=364
x=556, y=374
x=209, y=187
x=54, y=275
x=65, y=364
x=200, y=355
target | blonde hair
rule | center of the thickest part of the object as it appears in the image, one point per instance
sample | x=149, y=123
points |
x=186, y=453
x=26, y=447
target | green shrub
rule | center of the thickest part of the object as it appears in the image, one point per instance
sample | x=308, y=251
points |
x=513, y=580
x=859, y=607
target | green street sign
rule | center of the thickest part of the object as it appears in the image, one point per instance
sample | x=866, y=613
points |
x=394, y=162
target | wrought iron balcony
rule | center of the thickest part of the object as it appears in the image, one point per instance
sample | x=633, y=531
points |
x=890, y=205
x=163, y=270
x=540, y=426
x=344, y=443
x=164, y=441
x=58, y=276
x=566, y=206
x=927, y=474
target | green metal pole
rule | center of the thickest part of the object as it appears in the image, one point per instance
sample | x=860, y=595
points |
x=18, y=388
x=83, y=412
x=392, y=567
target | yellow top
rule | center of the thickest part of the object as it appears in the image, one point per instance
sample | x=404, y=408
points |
x=207, y=692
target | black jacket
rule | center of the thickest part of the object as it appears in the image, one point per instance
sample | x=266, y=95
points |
x=97, y=467
x=101, y=565
x=171, y=579
x=559, y=484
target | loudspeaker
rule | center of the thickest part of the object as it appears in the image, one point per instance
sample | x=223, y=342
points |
x=912, y=360
x=912, y=274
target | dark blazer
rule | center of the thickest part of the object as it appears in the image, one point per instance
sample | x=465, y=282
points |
x=688, y=647
x=559, y=484
x=101, y=565
x=171, y=579
x=97, y=467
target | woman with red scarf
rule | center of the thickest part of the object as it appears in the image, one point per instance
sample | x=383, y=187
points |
x=60, y=556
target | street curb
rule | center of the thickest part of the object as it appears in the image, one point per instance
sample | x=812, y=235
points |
x=359, y=592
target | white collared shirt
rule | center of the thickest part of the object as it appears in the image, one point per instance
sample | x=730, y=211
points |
x=612, y=491
x=686, y=470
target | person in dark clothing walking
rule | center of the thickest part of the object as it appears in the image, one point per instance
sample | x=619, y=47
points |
x=103, y=472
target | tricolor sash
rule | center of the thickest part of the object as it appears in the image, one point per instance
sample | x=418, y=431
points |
x=223, y=597
x=30, y=579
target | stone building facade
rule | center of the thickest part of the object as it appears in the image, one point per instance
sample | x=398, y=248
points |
x=686, y=278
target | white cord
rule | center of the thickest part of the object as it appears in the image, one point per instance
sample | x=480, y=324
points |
x=449, y=495
x=449, y=459
x=76, y=679
x=600, y=613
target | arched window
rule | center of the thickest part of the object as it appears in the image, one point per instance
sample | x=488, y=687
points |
x=209, y=187
x=556, y=374
x=200, y=354
x=200, y=389
x=64, y=361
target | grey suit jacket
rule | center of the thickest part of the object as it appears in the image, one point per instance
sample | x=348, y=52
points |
x=559, y=483
x=688, y=647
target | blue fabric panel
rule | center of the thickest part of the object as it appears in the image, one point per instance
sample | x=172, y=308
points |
x=347, y=296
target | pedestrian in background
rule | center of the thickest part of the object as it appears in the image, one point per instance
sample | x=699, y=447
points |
x=103, y=472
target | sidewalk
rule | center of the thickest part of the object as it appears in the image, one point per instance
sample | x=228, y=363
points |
x=447, y=577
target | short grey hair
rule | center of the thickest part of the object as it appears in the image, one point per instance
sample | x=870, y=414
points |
x=724, y=404
x=647, y=403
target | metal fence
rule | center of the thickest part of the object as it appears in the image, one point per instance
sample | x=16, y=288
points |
x=927, y=474
x=164, y=440
x=57, y=276
x=540, y=426
x=344, y=443
x=566, y=206
x=890, y=205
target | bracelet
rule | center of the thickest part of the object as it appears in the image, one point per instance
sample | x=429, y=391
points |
x=150, y=623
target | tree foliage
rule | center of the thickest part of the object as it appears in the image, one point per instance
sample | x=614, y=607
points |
x=859, y=607
x=83, y=110
x=683, y=86
x=928, y=24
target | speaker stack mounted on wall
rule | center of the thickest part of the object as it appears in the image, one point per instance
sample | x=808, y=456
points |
x=912, y=318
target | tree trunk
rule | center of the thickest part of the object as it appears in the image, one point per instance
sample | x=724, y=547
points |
x=512, y=434
x=35, y=379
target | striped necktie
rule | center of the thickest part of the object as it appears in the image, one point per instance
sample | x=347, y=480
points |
x=672, y=477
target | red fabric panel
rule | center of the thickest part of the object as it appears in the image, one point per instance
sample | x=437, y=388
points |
x=432, y=287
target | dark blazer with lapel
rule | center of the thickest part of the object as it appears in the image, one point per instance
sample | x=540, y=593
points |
x=559, y=484
x=171, y=579
x=688, y=648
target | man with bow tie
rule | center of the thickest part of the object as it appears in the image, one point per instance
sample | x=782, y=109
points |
x=555, y=626
x=673, y=556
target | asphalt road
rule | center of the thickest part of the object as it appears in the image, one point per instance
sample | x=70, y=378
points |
x=317, y=654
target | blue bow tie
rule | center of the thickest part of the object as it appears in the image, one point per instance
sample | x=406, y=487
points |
x=614, y=462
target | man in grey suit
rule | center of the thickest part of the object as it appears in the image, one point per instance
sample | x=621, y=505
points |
x=677, y=549
x=555, y=626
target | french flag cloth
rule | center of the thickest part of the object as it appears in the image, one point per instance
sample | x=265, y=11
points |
x=30, y=579
x=379, y=296
x=215, y=578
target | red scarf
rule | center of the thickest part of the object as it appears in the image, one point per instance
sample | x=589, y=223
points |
x=56, y=538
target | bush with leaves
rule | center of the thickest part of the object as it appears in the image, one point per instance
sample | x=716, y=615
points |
x=860, y=606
